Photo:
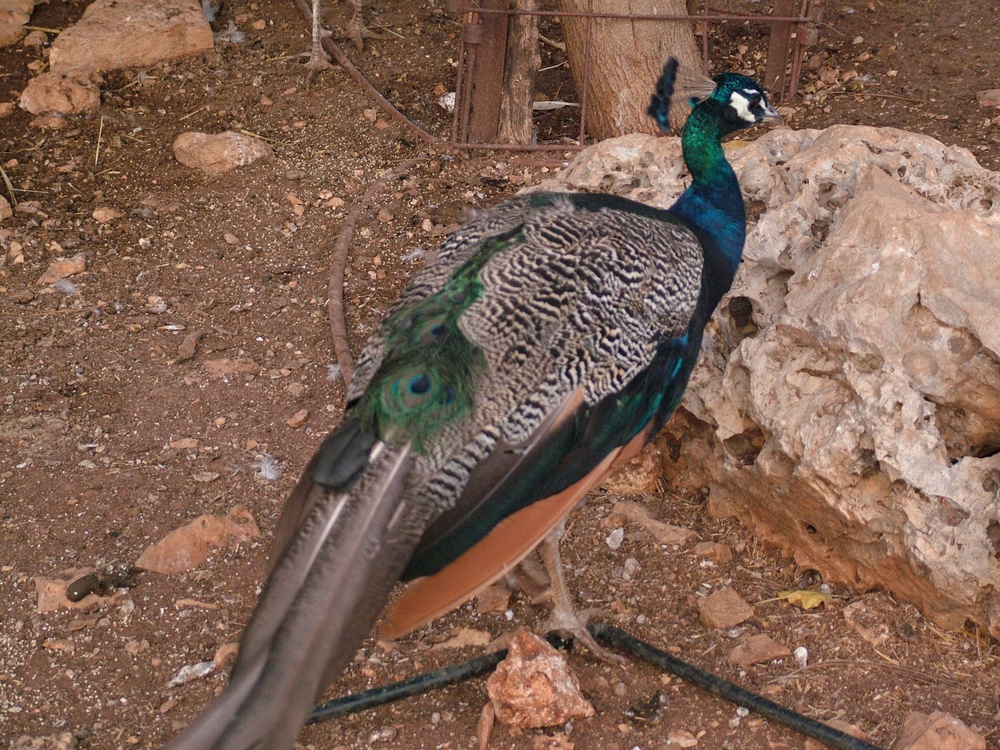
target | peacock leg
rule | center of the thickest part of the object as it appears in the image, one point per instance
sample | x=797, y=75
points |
x=564, y=615
x=318, y=60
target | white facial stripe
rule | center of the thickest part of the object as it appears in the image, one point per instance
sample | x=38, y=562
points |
x=742, y=106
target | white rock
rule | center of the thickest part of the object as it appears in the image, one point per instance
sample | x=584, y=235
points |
x=852, y=377
x=615, y=538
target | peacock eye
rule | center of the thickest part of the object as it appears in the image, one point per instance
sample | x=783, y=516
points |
x=754, y=100
x=419, y=384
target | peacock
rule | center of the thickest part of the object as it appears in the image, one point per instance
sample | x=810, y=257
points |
x=550, y=338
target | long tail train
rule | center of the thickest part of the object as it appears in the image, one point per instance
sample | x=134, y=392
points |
x=341, y=545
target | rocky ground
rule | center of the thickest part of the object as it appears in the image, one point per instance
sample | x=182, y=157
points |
x=116, y=429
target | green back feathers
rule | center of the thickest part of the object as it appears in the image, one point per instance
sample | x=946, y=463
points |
x=430, y=373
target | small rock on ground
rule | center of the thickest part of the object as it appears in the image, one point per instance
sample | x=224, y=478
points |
x=61, y=741
x=723, y=609
x=534, y=687
x=714, y=551
x=188, y=547
x=937, y=731
x=757, y=649
x=215, y=154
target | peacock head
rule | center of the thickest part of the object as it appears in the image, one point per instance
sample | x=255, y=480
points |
x=745, y=102
x=736, y=100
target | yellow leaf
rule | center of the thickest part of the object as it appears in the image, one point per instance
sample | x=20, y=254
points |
x=804, y=598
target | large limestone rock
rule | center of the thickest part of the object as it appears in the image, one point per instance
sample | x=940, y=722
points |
x=847, y=404
x=114, y=34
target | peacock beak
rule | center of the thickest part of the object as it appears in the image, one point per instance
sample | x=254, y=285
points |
x=771, y=114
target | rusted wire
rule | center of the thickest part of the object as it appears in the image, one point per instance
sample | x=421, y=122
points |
x=638, y=16
x=338, y=268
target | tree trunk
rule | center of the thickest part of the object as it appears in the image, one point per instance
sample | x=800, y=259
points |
x=522, y=63
x=626, y=58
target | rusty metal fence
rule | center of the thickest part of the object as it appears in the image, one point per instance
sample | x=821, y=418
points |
x=794, y=28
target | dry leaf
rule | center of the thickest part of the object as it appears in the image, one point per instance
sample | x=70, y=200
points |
x=804, y=598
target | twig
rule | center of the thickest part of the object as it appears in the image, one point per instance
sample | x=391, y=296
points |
x=917, y=675
x=281, y=58
x=100, y=134
x=10, y=187
x=46, y=29
x=193, y=113
x=275, y=141
x=338, y=266
x=381, y=26
x=561, y=46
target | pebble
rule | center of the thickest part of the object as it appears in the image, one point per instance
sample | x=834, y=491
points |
x=134, y=647
x=191, y=672
x=219, y=153
x=713, y=551
x=464, y=638
x=723, y=609
x=383, y=735
x=615, y=538
x=61, y=741
x=757, y=649
x=189, y=546
x=63, y=267
x=681, y=738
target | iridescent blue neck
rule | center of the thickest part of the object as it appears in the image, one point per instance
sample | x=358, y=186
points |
x=713, y=204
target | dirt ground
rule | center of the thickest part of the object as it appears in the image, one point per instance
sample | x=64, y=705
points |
x=93, y=391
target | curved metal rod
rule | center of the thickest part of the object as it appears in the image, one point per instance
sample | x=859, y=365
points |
x=344, y=61
x=338, y=267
